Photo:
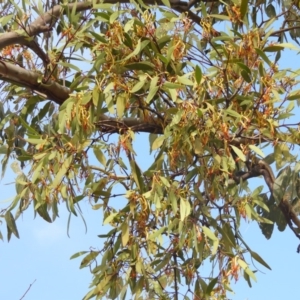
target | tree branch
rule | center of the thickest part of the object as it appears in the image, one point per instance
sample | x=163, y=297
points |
x=22, y=77
x=28, y=289
x=113, y=125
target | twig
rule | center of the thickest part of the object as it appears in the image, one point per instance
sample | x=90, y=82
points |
x=28, y=289
x=175, y=276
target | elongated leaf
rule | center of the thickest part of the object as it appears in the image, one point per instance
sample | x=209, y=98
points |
x=211, y=285
x=89, y=258
x=43, y=212
x=260, y=260
x=100, y=156
x=75, y=255
x=62, y=171
x=109, y=218
x=243, y=8
x=198, y=74
x=125, y=233
x=247, y=269
x=263, y=56
x=257, y=150
x=239, y=153
x=11, y=224
x=209, y=233
x=143, y=66
x=137, y=175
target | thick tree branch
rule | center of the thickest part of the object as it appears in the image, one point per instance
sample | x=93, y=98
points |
x=17, y=75
x=113, y=125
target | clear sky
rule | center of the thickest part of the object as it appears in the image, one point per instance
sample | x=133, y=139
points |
x=41, y=256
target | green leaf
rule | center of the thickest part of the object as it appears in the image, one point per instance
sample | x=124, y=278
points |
x=11, y=224
x=273, y=48
x=139, y=47
x=243, y=8
x=211, y=285
x=209, y=233
x=239, y=153
x=78, y=254
x=89, y=258
x=184, y=80
x=246, y=76
x=185, y=209
x=295, y=95
x=166, y=3
x=152, y=93
x=37, y=171
x=172, y=85
x=257, y=150
x=125, y=233
x=142, y=66
x=137, y=86
x=137, y=175
x=6, y=18
x=220, y=17
x=109, y=218
x=259, y=259
x=121, y=105
x=281, y=184
x=263, y=56
x=246, y=268
x=157, y=233
x=173, y=200
x=229, y=234
x=71, y=66
x=232, y=113
x=270, y=11
x=62, y=171
x=158, y=142
x=99, y=155
x=35, y=141
x=198, y=74
x=43, y=212
x=30, y=129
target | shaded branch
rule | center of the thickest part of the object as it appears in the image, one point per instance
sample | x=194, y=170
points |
x=32, y=80
x=114, y=125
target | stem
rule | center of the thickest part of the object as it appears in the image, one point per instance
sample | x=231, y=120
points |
x=175, y=276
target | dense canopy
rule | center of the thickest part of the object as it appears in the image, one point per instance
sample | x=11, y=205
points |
x=204, y=82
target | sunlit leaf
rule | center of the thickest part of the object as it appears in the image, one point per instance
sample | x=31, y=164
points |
x=243, y=8
x=257, y=150
x=239, y=153
x=62, y=172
